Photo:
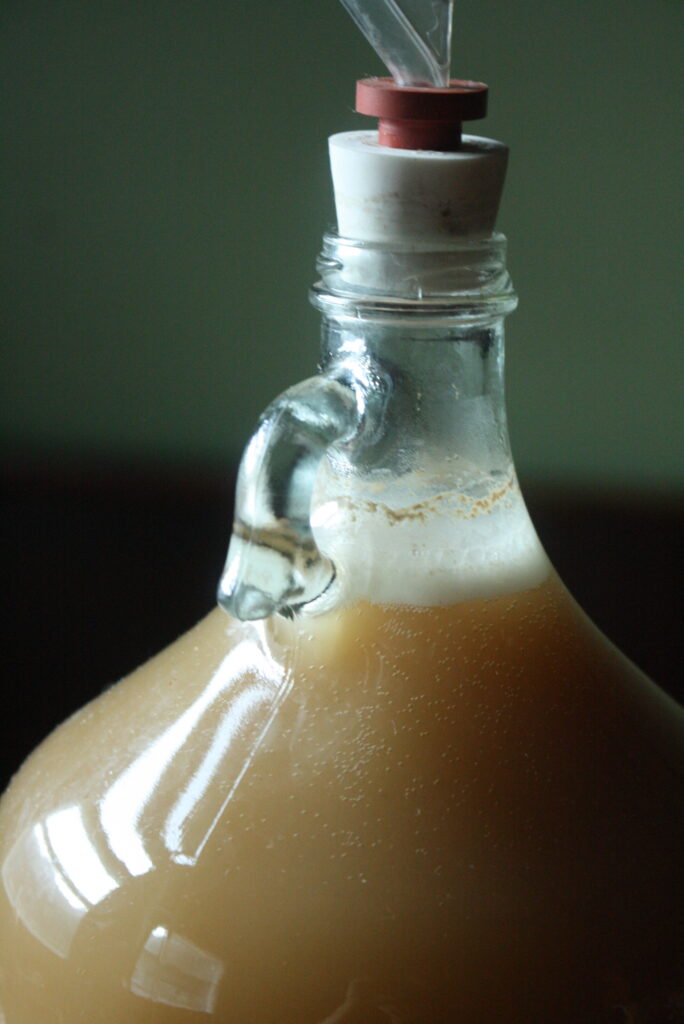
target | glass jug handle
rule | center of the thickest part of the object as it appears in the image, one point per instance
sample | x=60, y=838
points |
x=273, y=563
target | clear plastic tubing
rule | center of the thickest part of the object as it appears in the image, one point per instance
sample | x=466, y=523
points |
x=412, y=40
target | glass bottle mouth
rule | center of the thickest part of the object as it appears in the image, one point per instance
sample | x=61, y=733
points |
x=437, y=279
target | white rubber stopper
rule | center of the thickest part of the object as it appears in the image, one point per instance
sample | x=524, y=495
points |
x=406, y=195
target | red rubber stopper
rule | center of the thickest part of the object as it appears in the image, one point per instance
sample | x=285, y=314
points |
x=421, y=117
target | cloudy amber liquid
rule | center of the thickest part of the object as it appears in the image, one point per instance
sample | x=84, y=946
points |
x=449, y=815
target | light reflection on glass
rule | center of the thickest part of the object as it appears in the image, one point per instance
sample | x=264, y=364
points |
x=53, y=875
x=77, y=857
x=236, y=718
x=174, y=971
x=123, y=805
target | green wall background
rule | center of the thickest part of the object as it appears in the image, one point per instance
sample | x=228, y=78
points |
x=164, y=187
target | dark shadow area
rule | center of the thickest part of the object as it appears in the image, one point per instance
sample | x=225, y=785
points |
x=105, y=566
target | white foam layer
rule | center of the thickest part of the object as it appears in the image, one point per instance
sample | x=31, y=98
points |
x=476, y=541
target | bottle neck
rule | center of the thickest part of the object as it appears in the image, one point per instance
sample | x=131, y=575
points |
x=430, y=322
x=436, y=477
x=444, y=411
x=388, y=476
